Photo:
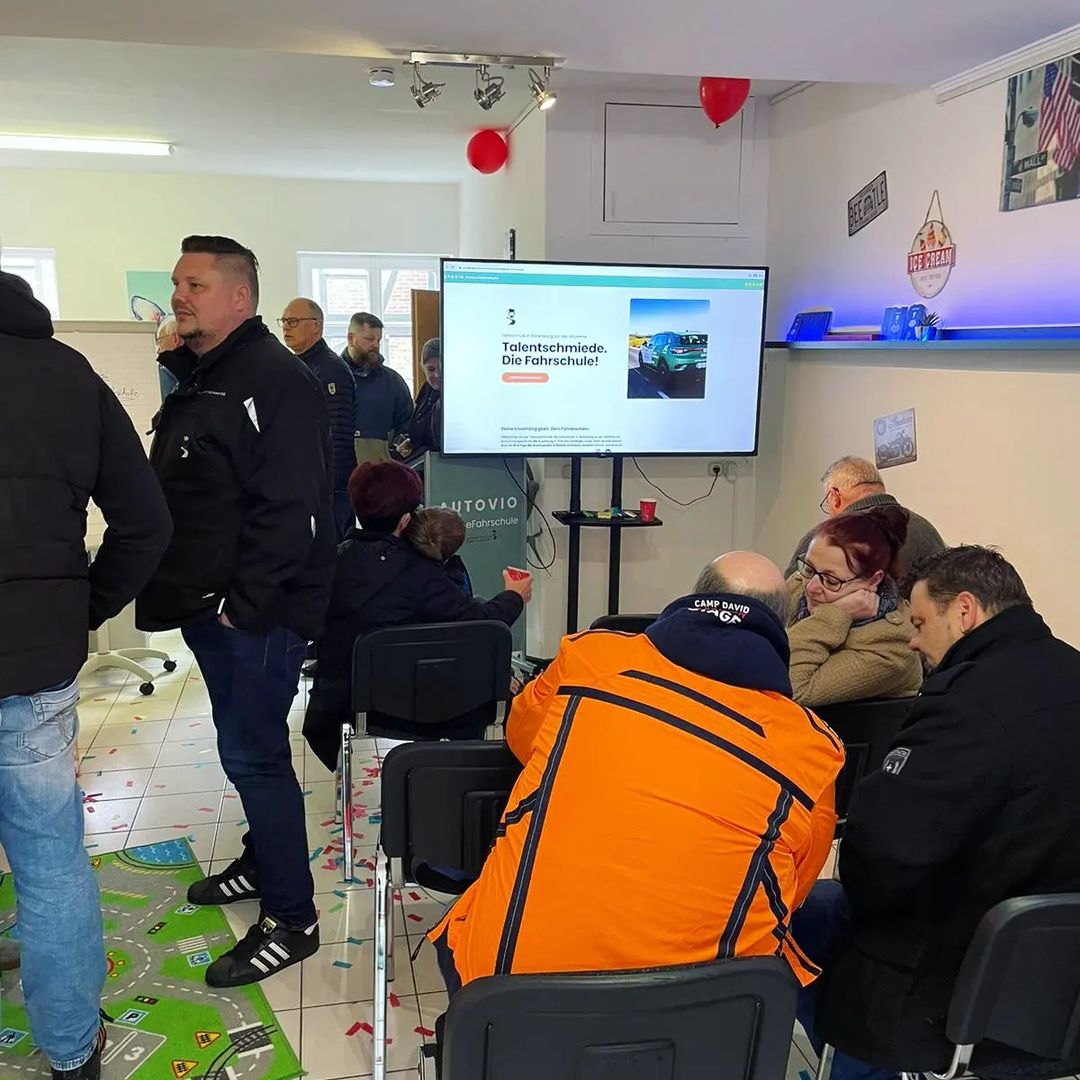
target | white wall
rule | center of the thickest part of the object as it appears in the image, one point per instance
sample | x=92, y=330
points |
x=104, y=224
x=831, y=140
x=657, y=565
x=512, y=198
x=997, y=452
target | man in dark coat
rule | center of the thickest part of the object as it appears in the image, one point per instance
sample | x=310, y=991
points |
x=302, y=326
x=976, y=803
x=64, y=439
x=242, y=449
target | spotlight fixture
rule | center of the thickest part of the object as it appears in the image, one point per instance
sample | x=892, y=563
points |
x=545, y=99
x=424, y=92
x=382, y=77
x=489, y=88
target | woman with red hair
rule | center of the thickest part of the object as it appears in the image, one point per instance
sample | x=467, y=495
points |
x=849, y=630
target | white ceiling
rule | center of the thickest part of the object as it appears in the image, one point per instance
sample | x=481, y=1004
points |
x=276, y=87
x=915, y=43
x=243, y=112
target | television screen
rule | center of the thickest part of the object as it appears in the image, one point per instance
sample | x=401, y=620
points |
x=556, y=359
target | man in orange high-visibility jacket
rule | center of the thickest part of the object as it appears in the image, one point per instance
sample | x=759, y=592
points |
x=675, y=805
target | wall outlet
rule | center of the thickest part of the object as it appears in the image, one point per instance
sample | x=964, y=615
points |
x=717, y=468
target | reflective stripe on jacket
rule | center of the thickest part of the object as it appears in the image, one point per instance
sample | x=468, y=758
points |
x=662, y=817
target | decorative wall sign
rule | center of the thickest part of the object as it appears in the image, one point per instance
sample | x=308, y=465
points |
x=933, y=253
x=1041, y=159
x=894, y=439
x=870, y=203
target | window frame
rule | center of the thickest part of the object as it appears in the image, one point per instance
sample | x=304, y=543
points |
x=43, y=268
x=313, y=268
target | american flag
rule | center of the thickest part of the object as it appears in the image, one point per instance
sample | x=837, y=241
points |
x=1061, y=112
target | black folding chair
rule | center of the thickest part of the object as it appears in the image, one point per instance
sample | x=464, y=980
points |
x=728, y=1019
x=627, y=624
x=1015, y=1009
x=867, y=730
x=441, y=805
x=440, y=678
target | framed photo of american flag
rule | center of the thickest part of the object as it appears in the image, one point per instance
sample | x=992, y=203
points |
x=1041, y=159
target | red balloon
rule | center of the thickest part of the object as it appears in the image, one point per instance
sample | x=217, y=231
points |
x=722, y=98
x=487, y=151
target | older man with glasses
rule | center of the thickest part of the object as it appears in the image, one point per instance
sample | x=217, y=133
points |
x=302, y=326
x=853, y=484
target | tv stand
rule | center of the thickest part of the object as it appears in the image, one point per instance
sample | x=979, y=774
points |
x=576, y=519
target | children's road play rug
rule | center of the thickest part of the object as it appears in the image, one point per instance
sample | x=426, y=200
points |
x=167, y=1024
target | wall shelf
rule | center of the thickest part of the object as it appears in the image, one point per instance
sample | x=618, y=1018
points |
x=1010, y=344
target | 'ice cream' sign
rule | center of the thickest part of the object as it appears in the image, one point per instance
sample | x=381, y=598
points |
x=932, y=255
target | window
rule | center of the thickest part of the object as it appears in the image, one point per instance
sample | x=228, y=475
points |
x=343, y=283
x=37, y=266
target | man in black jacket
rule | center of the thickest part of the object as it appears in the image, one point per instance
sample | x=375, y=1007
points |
x=302, y=326
x=64, y=439
x=381, y=580
x=977, y=802
x=242, y=449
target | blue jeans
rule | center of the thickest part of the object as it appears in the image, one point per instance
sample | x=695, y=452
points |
x=41, y=829
x=818, y=926
x=252, y=680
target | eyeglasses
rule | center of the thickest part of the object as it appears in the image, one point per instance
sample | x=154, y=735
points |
x=292, y=324
x=808, y=573
x=824, y=504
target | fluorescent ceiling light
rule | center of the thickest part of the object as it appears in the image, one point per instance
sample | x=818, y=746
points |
x=70, y=145
x=1065, y=43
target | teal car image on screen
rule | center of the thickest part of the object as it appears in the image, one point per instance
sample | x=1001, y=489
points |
x=670, y=353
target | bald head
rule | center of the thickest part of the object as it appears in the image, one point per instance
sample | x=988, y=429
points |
x=167, y=337
x=745, y=573
x=302, y=323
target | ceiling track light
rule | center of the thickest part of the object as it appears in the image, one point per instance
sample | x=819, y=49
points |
x=489, y=88
x=423, y=91
x=538, y=84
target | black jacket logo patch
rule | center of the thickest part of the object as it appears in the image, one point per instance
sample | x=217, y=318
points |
x=895, y=760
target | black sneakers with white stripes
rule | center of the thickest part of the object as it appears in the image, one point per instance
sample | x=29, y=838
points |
x=268, y=947
x=235, y=882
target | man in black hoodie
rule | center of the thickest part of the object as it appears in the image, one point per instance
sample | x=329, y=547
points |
x=242, y=449
x=64, y=439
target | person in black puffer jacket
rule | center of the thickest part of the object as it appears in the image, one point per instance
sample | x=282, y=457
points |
x=381, y=581
x=64, y=439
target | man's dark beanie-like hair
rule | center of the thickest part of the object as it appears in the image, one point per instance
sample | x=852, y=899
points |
x=381, y=492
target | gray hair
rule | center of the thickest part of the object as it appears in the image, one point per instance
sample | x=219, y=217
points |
x=778, y=601
x=316, y=311
x=852, y=472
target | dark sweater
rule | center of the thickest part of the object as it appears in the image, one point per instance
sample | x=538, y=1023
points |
x=383, y=403
x=922, y=538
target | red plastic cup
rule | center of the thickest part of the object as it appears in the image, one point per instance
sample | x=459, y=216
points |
x=516, y=574
x=648, y=509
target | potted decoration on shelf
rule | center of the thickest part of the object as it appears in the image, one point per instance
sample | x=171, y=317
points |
x=928, y=327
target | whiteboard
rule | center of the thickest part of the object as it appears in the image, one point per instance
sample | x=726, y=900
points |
x=123, y=354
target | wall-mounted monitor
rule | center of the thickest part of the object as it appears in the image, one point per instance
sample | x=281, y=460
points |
x=558, y=359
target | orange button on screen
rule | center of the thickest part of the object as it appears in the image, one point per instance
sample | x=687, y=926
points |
x=525, y=376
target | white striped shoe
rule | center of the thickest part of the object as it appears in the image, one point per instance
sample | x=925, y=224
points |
x=268, y=947
x=232, y=884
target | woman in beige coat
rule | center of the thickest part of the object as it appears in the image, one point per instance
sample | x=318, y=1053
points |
x=849, y=630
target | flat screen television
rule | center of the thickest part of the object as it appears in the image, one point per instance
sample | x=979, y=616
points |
x=561, y=359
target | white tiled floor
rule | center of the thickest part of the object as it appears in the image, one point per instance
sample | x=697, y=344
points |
x=150, y=772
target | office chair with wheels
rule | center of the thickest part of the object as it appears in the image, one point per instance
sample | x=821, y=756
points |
x=441, y=805
x=728, y=1019
x=433, y=681
x=867, y=729
x=1015, y=1008
x=626, y=624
